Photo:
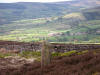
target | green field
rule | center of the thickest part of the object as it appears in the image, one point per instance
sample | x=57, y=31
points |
x=79, y=27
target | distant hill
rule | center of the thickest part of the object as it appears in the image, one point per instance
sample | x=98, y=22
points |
x=92, y=13
x=26, y=10
x=80, y=26
x=81, y=3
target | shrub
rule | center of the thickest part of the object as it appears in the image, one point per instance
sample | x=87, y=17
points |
x=64, y=54
x=56, y=54
x=5, y=55
x=28, y=54
x=82, y=52
x=69, y=53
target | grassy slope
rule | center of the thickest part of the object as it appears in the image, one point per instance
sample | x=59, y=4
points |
x=35, y=30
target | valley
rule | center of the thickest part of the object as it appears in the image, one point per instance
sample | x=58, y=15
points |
x=76, y=26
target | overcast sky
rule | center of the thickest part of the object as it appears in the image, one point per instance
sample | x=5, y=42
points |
x=10, y=1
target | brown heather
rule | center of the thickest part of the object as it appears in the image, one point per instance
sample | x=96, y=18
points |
x=85, y=64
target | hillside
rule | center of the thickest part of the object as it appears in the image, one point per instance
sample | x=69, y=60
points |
x=77, y=26
x=17, y=11
x=27, y=10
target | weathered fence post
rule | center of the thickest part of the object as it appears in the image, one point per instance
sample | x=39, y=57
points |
x=45, y=55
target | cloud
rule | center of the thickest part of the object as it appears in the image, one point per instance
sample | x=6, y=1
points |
x=10, y=1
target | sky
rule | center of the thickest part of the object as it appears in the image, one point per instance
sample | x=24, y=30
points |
x=11, y=1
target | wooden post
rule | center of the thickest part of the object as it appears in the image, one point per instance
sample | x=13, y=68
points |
x=45, y=54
